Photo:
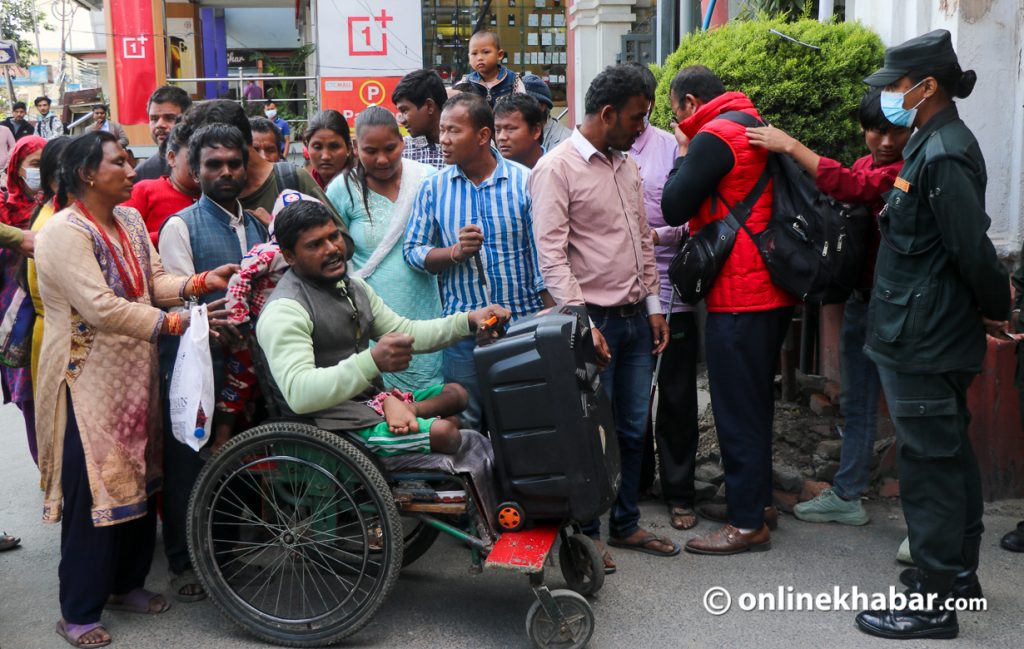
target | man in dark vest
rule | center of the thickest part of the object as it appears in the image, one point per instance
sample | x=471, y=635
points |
x=212, y=232
x=315, y=333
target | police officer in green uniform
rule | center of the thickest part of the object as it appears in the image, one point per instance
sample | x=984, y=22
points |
x=939, y=288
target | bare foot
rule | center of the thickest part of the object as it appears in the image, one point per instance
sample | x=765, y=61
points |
x=400, y=416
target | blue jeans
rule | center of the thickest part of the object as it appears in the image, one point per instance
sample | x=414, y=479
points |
x=627, y=382
x=457, y=366
x=859, y=402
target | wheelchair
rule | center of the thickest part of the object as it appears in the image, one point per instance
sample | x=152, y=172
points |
x=298, y=534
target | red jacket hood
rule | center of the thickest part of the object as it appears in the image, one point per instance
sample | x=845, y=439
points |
x=722, y=104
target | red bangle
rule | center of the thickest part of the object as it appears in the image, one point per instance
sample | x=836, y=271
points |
x=198, y=284
x=174, y=326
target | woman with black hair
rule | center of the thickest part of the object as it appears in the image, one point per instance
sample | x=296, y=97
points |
x=939, y=288
x=98, y=424
x=375, y=199
x=49, y=166
x=329, y=144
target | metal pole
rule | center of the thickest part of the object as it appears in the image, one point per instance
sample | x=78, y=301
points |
x=241, y=86
x=826, y=9
x=10, y=85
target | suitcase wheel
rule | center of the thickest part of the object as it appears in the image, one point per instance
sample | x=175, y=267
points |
x=510, y=517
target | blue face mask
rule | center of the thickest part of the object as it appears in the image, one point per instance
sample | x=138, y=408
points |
x=892, y=107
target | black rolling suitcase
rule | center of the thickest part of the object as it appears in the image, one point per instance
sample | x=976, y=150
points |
x=555, y=449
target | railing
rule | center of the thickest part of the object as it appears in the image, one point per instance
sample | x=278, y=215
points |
x=241, y=79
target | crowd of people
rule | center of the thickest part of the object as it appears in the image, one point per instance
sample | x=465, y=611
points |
x=366, y=277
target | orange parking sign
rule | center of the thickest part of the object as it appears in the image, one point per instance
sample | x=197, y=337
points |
x=350, y=95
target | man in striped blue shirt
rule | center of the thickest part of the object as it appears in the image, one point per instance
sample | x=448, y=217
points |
x=471, y=224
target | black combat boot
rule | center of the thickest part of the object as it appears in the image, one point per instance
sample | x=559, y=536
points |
x=966, y=585
x=907, y=624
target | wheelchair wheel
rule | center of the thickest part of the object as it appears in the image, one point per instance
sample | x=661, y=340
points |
x=417, y=540
x=574, y=634
x=582, y=565
x=294, y=534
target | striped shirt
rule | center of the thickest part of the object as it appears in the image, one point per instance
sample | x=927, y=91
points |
x=419, y=149
x=501, y=207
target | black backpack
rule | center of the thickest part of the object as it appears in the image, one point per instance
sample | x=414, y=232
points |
x=286, y=175
x=814, y=246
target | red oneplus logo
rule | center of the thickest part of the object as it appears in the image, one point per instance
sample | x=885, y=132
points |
x=368, y=35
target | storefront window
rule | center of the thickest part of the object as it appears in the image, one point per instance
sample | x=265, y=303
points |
x=532, y=34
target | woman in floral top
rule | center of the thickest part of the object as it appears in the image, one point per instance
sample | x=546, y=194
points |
x=98, y=422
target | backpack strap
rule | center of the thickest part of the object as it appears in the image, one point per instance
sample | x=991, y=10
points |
x=739, y=117
x=742, y=210
x=286, y=176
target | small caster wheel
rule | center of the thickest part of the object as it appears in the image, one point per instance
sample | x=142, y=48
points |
x=510, y=517
x=574, y=633
x=582, y=564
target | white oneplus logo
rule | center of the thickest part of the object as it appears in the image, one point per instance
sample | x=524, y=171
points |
x=134, y=48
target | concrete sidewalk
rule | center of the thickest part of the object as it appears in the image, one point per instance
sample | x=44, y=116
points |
x=651, y=602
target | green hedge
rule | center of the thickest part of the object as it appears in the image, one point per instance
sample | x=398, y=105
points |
x=811, y=94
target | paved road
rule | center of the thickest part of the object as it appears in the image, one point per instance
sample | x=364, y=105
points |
x=651, y=602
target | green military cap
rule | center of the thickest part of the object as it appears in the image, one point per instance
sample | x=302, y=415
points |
x=930, y=51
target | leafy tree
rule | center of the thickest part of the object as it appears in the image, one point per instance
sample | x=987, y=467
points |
x=810, y=93
x=16, y=25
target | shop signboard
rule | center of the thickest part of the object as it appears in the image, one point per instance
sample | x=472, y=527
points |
x=8, y=53
x=364, y=48
x=134, y=59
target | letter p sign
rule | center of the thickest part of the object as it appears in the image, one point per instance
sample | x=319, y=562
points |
x=372, y=92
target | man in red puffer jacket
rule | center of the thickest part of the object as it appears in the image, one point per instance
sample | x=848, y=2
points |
x=747, y=315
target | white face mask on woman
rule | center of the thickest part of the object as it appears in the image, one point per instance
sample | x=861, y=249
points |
x=32, y=179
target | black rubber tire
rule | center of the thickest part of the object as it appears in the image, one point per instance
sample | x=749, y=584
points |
x=582, y=565
x=343, y=467
x=419, y=539
x=580, y=617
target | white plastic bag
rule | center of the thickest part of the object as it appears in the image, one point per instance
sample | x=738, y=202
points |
x=191, y=394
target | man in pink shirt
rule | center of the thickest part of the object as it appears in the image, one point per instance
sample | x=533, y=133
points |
x=595, y=248
x=675, y=426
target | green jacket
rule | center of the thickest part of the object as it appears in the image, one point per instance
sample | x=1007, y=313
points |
x=937, y=272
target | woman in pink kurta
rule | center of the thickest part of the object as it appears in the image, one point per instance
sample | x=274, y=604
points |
x=98, y=420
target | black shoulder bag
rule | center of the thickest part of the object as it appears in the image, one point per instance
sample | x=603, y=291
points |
x=700, y=259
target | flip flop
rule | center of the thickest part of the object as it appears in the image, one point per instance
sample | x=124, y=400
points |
x=140, y=601
x=641, y=545
x=8, y=542
x=73, y=634
x=606, y=558
x=675, y=513
x=187, y=578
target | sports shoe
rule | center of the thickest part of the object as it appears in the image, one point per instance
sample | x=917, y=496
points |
x=827, y=507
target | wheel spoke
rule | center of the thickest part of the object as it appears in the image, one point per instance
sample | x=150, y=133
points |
x=289, y=517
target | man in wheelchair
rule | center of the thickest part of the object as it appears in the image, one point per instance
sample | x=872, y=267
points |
x=315, y=333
